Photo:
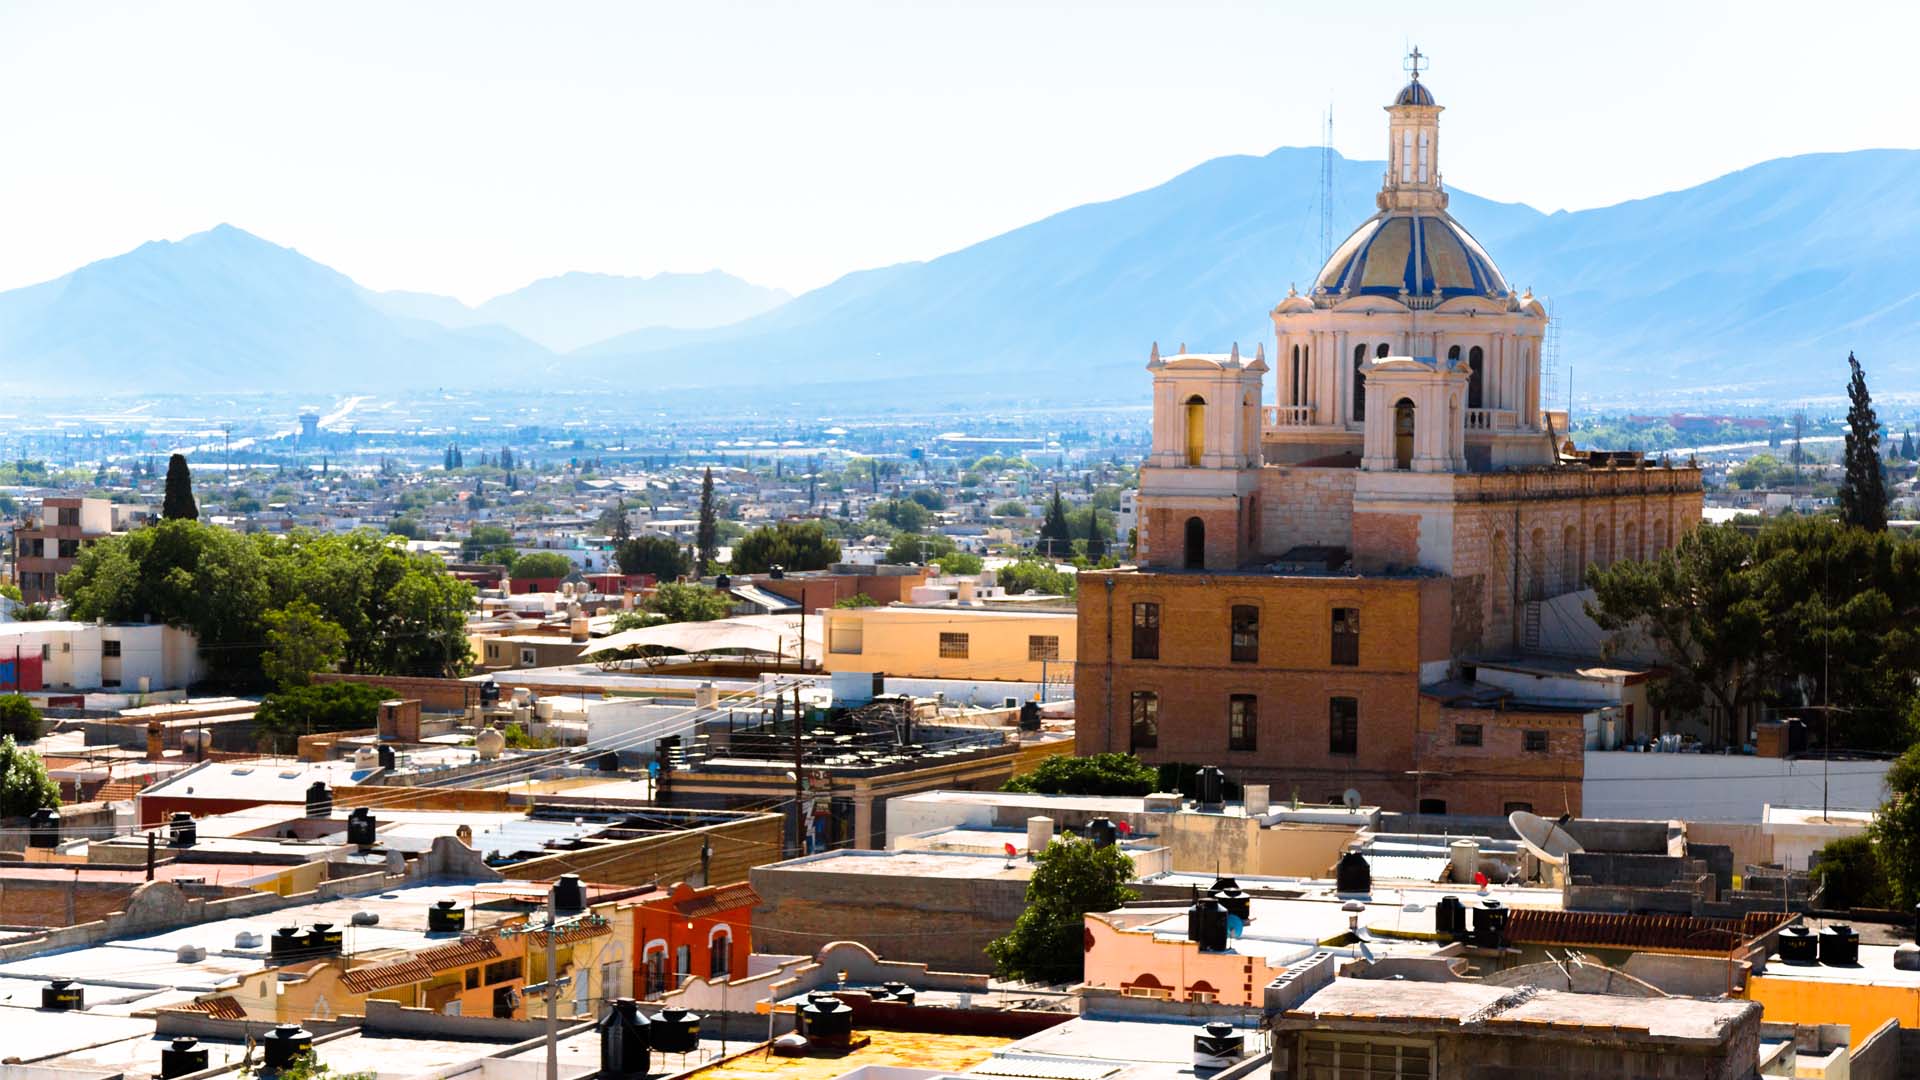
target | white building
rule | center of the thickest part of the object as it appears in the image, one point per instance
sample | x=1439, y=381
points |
x=92, y=656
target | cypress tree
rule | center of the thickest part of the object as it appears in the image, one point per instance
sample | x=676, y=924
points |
x=707, y=536
x=1863, y=491
x=1096, y=547
x=178, y=500
x=1055, y=532
x=1906, y=445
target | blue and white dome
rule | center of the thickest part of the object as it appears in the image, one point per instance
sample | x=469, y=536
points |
x=1417, y=253
x=1414, y=93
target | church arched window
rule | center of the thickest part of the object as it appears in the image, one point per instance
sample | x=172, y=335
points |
x=1406, y=156
x=1423, y=157
x=1196, y=428
x=1381, y=350
x=1359, y=383
x=1476, y=377
x=1570, y=559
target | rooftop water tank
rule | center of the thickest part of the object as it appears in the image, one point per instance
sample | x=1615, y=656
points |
x=674, y=1031
x=1207, y=925
x=1798, y=945
x=1210, y=785
x=1232, y=897
x=186, y=1055
x=362, y=827
x=826, y=1021
x=1450, y=918
x=444, y=917
x=1353, y=875
x=1103, y=832
x=181, y=831
x=625, y=1043
x=1839, y=946
x=1217, y=1045
x=285, y=1044
x=62, y=996
x=43, y=828
x=319, y=799
x=570, y=896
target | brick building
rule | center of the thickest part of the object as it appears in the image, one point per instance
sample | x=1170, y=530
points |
x=1317, y=577
x=46, y=548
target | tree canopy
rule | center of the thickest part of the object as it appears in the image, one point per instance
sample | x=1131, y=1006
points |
x=1056, y=529
x=689, y=603
x=1863, y=490
x=19, y=718
x=402, y=613
x=24, y=783
x=177, y=502
x=654, y=555
x=1804, y=612
x=1895, y=832
x=1035, y=575
x=1095, y=774
x=301, y=643
x=542, y=564
x=1070, y=878
x=287, y=714
x=794, y=545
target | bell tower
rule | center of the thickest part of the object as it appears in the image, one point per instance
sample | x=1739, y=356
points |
x=1413, y=146
x=1199, y=488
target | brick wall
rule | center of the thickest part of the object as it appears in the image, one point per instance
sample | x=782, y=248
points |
x=738, y=846
x=1489, y=778
x=434, y=695
x=941, y=922
x=1305, y=506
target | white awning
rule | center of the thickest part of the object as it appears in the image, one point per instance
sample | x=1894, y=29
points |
x=769, y=635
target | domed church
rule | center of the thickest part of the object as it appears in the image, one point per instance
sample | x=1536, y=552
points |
x=1406, y=477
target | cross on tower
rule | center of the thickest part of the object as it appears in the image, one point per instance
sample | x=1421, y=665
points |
x=1415, y=62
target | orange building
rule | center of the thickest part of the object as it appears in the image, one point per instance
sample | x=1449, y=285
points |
x=686, y=931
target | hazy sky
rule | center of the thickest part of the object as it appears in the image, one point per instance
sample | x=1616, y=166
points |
x=468, y=148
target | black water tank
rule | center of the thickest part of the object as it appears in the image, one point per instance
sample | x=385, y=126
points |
x=1210, y=785
x=624, y=1041
x=1798, y=945
x=826, y=1020
x=1217, y=1046
x=319, y=799
x=569, y=895
x=445, y=918
x=386, y=755
x=723, y=582
x=1490, y=924
x=1207, y=925
x=489, y=693
x=1232, y=897
x=777, y=572
x=1450, y=918
x=609, y=761
x=181, y=831
x=324, y=940
x=287, y=943
x=1103, y=832
x=186, y=1055
x=1352, y=875
x=1839, y=945
x=285, y=1044
x=674, y=1031
x=362, y=827
x=898, y=991
x=1030, y=716
x=43, y=828
x=62, y=996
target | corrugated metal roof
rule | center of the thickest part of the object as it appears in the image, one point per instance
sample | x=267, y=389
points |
x=1428, y=868
x=1045, y=1067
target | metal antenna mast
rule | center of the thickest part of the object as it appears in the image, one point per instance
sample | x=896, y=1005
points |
x=1326, y=187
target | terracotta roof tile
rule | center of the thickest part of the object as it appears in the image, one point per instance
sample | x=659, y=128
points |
x=725, y=899
x=421, y=965
x=224, y=1007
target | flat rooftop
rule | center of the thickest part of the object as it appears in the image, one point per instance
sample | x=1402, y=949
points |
x=894, y=1049
x=1088, y=1046
x=934, y=864
x=1391, y=1003
x=1874, y=969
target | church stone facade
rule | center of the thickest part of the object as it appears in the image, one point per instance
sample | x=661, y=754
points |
x=1408, y=480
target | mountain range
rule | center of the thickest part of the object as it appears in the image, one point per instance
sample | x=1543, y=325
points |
x=1752, y=286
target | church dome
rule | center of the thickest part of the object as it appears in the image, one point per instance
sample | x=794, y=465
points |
x=1422, y=253
x=1414, y=93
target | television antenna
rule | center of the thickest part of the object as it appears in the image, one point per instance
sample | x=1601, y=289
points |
x=1326, y=187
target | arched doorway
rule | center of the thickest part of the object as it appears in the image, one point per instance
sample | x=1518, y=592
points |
x=1196, y=429
x=1403, y=434
x=1196, y=544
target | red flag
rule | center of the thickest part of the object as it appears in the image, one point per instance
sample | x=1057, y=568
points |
x=1010, y=850
x=1480, y=879
x=1125, y=829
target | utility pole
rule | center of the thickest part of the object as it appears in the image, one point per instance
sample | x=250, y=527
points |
x=553, y=1024
x=799, y=780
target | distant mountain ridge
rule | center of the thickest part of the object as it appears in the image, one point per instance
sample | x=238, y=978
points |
x=1753, y=285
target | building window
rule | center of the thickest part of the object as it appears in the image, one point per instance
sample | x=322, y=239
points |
x=720, y=961
x=1346, y=637
x=953, y=646
x=656, y=972
x=682, y=964
x=1043, y=647
x=1196, y=429
x=1146, y=631
x=69, y=549
x=1436, y=807
x=1476, y=378
x=503, y=971
x=1246, y=634
x=109, y=648
x=473, y=978
x=1243, y=712
x=1516, y=808
x=69, y=515
x=1145, y=720
x=528, y=658
x=1466, y=734
x=1359, y=383
x=1534, y=742
x=1332, y=1057
x=46, y=653
x=1343, y=726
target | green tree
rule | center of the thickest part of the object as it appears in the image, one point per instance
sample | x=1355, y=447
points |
x=301, y=642
x=909, y=548
x=1070, y=878
x=795, y=545
x=928, y=498
x=178, y=502
x=1863, y=491
x=287, y=714
x=542, y=564
x=706, y=537
x=1096, y=774
x=1056, y=532
x=689, y=603
x=961, y=563
x=613, y=522
x=633, y=620
x=1850, y=875
x=654, y=555
x=19, y=718
x=1699, y=602
x=902, y=514
x=1895, y=831
x=1010, y=508
x=407, y=528
x=1036, y=576
x=24, y=783
x=857, y=600
x=483, y=539
x=11, y=591
x=1761, y=471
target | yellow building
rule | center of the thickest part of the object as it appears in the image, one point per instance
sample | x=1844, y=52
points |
x=998, y=644
x=1863, y=996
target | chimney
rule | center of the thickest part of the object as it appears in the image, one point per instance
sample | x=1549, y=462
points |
x=156, y=740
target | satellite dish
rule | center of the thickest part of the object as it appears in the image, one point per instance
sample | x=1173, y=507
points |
x=1550, y=843
x=1351, y=797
